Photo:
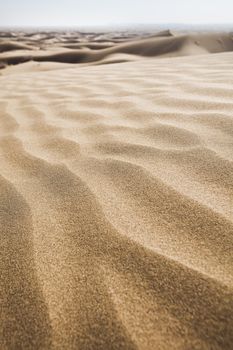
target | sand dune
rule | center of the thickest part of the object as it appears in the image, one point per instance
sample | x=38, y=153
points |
x=11, y=46
x=157, y=45
x=116, y=206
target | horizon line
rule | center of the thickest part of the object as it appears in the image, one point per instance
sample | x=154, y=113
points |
x=117, y=24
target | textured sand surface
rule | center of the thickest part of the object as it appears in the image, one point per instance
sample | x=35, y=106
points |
x=116, y=204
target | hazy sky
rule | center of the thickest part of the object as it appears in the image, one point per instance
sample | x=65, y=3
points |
x=107, y=12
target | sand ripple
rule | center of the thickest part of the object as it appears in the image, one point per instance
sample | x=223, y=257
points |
x=116, y=206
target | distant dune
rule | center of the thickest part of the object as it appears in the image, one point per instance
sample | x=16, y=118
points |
x=156, y=45
x=116, y=191
x=12, y=46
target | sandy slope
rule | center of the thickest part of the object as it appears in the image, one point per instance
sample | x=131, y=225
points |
x=116, y=205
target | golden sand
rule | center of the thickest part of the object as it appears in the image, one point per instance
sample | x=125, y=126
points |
x=116, y=202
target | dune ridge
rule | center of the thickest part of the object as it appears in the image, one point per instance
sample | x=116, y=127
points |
x=116, y=206
x=86, y=51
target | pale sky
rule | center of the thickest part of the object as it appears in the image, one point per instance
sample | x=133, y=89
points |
x=112, y=12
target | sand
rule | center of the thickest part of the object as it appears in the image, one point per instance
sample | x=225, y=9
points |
x=116, y=191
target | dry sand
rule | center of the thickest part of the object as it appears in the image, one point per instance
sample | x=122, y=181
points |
x=116, y=191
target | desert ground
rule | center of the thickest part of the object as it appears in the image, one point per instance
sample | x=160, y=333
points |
x=116, y=190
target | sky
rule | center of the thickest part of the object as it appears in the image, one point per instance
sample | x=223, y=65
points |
x=113, y=12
